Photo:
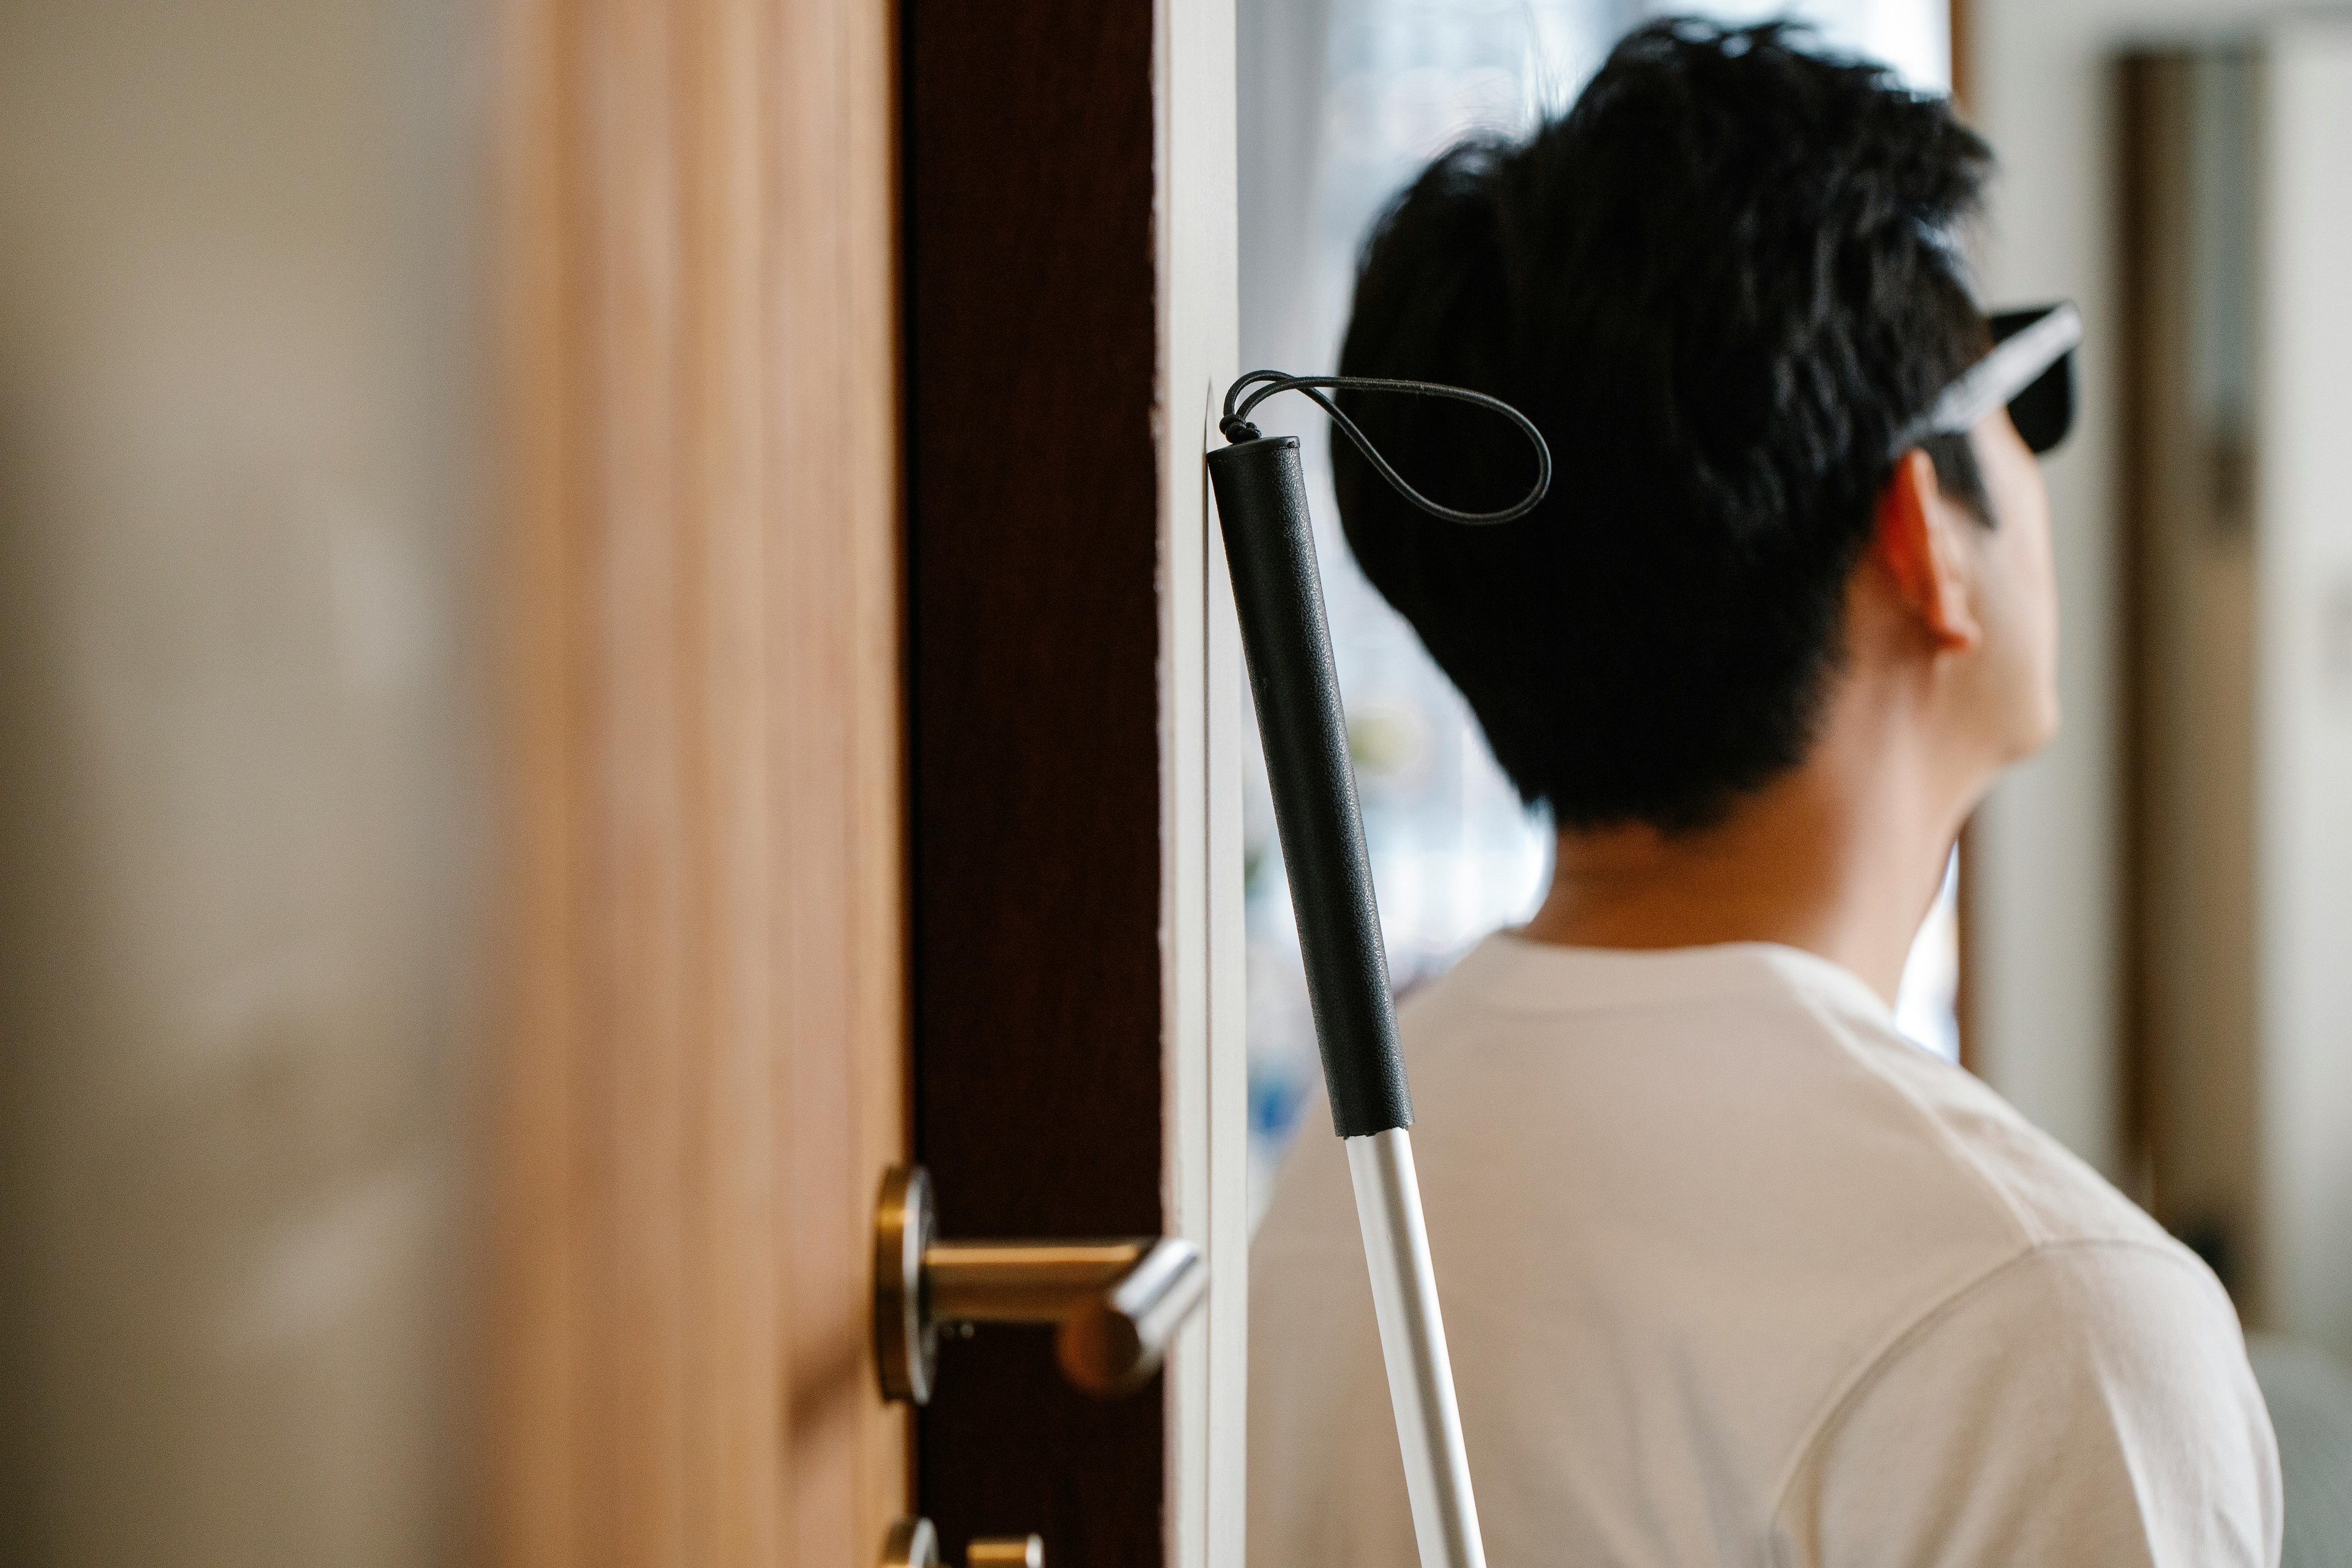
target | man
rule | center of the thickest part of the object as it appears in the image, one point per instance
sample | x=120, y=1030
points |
x=1732, y=1272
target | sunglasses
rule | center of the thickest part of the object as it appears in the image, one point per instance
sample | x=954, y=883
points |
x=2031, y=368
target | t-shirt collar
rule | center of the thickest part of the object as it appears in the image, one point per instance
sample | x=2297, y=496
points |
x=1513, y=971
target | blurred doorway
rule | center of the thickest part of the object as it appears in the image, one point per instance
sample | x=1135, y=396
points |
x=2238, y=595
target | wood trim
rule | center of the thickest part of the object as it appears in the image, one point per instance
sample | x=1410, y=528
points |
x=1967, y=1011
x=2148, y=93
x=704, y=1068
x=1961, y=21
x=1965, y=1006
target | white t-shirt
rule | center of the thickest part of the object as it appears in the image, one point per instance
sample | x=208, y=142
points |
x=1733, y=1273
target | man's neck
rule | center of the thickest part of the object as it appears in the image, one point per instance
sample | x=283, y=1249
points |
x=1840, y=857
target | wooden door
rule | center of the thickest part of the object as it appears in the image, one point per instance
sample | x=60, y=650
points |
x=875, y=731
x=705, y=1070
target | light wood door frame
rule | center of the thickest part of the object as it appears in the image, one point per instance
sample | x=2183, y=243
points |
x=704, y=1068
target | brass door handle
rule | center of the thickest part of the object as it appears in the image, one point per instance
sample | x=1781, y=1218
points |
x=1115, y=1304
x=913, y=1543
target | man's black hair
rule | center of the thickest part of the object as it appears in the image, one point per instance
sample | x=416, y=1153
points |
x=1720, y=285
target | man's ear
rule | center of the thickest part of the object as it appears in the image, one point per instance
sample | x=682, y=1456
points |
x=1915, y=536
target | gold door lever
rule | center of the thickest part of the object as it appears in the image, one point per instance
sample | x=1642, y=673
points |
x=1115, y=1304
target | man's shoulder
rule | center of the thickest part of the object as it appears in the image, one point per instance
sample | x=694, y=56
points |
x=2052, y=1194
x=1801, y=1042
x=1734, y=1080
x=2091, y=1395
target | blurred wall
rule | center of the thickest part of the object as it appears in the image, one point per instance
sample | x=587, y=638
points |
x=2303, y=921
x=2046, y=945
x=236, y=689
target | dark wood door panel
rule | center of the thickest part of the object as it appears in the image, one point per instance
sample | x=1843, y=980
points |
x=1034, y=658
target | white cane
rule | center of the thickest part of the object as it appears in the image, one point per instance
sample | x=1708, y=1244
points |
x=1270, y=545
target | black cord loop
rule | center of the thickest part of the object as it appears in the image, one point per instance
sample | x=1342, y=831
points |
x=1236, y=428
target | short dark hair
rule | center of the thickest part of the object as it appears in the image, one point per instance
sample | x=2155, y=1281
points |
x=1720, y=285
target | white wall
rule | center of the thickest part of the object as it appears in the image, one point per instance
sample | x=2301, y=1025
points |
x=236, y=540
x=2045, y=951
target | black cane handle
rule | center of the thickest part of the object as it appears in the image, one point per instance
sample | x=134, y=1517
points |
x=1285, y=638
x=1270, y=546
